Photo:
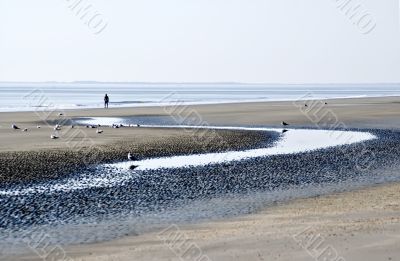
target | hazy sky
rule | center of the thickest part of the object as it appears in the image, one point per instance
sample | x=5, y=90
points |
x=285, y=41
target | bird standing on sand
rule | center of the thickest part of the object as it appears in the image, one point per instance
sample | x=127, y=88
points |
x=53, y=137
x=25, y=130
x=131, y=157
x=285, y=123
x=57, y=127
x=15, y=127
x=98, y=131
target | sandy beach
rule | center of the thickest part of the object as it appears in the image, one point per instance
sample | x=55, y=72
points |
x=355, y=225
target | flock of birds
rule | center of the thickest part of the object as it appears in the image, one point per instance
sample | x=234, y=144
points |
x=56, y=128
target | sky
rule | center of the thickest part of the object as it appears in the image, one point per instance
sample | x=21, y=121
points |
x=253, y=41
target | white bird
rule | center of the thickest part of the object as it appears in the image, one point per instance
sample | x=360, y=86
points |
x=54, y=137
x=57, y=127
x=15, y=127
x=25, y=129
x=131, y=157
x=38, y=127
x=99, y=131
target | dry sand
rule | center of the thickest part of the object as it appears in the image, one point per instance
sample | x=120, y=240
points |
x=359, y=225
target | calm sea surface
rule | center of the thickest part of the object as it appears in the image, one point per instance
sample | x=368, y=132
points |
x=27, y=97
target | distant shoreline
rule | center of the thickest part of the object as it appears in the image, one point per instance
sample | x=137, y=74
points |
x=146, y=104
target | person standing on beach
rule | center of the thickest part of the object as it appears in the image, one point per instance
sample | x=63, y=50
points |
x=106, y=100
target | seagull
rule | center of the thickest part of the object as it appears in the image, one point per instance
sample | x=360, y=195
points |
x=60, y=114
x=284, y=130
x=25, y=129
x=99, y=131
x=326, y=103
x=15, y=127
x=57, y=127
x=305, y=105
x=284, y=123
x=53, y=137
x=138, y=125
x=131, y=157
x=38, y=127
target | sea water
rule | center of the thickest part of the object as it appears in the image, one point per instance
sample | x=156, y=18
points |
x=32, y=96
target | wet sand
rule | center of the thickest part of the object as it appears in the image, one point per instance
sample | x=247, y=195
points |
x=360, y=225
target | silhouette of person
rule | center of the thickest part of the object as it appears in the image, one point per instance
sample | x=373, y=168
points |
x=106, y=100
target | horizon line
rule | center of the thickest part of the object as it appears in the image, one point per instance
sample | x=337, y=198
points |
x=194, y=83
